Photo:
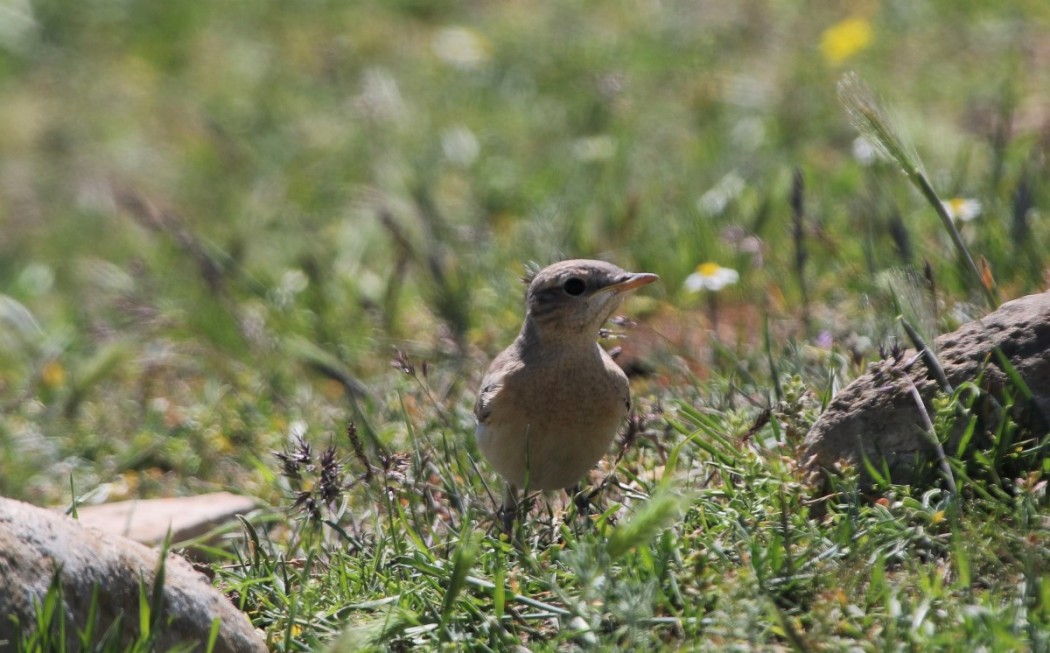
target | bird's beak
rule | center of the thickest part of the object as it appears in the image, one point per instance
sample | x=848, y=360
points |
x=634, y=280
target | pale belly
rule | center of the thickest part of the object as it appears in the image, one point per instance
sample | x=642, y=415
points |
x=549, y=440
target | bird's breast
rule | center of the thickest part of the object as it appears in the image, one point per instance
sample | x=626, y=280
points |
x=555, y=416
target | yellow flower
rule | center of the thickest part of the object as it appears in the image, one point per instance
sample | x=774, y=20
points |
x=845, y=39
x=710, y=276
x=53, y=374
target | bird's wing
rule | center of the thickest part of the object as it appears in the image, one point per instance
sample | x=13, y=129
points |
x=502, y=369
x=486, y=396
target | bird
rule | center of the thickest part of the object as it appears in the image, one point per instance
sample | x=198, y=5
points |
x=551, y=403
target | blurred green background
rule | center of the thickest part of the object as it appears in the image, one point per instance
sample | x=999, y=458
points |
x=217, y=219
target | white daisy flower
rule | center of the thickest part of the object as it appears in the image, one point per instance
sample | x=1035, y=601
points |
x=865, y=152
x=461, y=47
x=710, y=276
x=594, y=148
x=962, y=209
x=714, y=201
x=460, y=146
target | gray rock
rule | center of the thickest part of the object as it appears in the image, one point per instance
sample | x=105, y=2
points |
x=36, y=543
x=149, y=520
x=877, y=416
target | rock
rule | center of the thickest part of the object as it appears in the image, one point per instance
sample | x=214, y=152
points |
x=876, y=415
x=36, y=544
x=148, y=520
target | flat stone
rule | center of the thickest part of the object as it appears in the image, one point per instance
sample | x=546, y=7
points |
x=148, y=520
x=100, y=574
x=876, y=416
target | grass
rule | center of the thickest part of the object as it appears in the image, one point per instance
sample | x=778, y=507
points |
x=231, y=230
x=142, y=631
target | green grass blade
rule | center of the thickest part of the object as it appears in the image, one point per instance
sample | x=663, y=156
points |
x=462, y=560
x=652, y=517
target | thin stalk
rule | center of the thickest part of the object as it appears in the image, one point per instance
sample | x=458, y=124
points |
x=798, y=232
x=924, y=186
x=768, y=343
x=931, y=436
x=933, y=366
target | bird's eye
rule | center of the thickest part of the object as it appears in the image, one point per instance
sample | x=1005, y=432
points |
x=574, y=286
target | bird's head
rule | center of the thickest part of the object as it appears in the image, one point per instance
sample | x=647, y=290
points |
x=572, y=299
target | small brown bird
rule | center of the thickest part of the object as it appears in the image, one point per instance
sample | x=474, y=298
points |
x=552, y=402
